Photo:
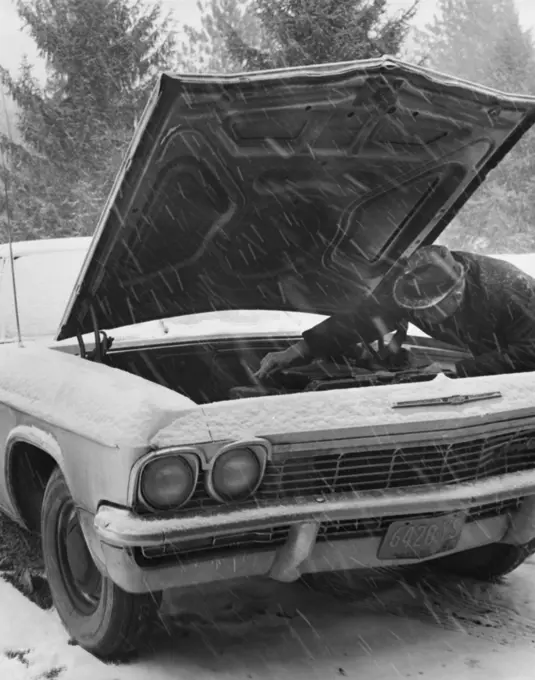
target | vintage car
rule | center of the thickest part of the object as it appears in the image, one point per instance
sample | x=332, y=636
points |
x=136, y=438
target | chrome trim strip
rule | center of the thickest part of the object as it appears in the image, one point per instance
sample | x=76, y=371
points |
x=255, y=443
x=453, y=400
x=191, y=456
x=256, y=447
x=463, y=429
x=261, y=447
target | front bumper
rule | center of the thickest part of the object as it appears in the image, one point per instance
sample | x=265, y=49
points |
x=120, y=532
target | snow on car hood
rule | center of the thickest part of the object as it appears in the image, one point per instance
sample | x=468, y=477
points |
x=113, y=407
x=295, y=189
x=367, y=413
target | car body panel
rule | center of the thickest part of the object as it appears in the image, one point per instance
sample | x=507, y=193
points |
x=45, y=274
x=40, y=384
x=363, y=413
x=97, y=436
x=22, y=431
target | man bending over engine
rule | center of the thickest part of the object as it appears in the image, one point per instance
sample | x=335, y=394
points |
x=478, y=302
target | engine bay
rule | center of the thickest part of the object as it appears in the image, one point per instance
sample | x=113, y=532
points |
x=344, y=373
x=220, y=370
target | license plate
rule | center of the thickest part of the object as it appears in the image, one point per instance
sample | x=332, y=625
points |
x=423, y=537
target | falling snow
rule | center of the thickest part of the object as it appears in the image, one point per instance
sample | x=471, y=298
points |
x=290, y=206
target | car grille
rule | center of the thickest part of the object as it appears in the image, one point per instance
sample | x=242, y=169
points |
x=389, y=468
x=402, y=467
x=268, y=539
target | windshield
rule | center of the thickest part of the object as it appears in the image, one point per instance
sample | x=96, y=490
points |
x=44, y=282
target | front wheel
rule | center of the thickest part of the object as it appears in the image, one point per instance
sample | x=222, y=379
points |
x=99, y=616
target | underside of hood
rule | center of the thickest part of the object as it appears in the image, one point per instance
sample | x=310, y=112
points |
x=296, y=189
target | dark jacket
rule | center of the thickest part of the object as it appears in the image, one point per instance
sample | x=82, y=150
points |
x=495, y=322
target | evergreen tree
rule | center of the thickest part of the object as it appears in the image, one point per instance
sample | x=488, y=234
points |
x=205, y=49
x=101, y=59
x=483, y=41
x=244, y=35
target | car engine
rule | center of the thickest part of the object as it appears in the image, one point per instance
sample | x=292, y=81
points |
x=366, y=370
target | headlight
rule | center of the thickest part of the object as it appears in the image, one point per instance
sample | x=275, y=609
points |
x=168, y=481
x=236, y=474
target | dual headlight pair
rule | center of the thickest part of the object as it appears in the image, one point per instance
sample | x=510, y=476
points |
x=167, y=481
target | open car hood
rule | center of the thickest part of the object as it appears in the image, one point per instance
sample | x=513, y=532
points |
x=294, y=189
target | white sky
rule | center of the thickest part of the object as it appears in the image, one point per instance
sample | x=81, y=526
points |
x=14, y=42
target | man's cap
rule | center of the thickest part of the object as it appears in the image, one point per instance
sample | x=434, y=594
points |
x=430, y=275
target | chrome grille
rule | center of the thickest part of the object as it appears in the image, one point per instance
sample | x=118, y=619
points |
x=408, y=466
x=389, y=468
x=268, y=539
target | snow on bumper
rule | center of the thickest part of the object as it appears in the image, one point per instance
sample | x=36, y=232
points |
x=121, y=531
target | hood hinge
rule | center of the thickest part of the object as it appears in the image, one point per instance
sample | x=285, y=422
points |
x=102, y=341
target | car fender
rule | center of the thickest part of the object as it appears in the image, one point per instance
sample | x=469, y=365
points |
x=36, y=437
x=40, y=439
x=114, y=408
x=46, y=442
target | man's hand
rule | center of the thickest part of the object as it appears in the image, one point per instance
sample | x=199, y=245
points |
x=439, y=367
x=276, y=361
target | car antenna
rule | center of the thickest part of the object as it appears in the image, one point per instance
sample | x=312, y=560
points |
x=9, y=223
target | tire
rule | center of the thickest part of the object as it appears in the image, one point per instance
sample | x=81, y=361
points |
x=487, y=563
x=99, y=616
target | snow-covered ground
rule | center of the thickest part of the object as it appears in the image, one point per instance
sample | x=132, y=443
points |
x=262, y=630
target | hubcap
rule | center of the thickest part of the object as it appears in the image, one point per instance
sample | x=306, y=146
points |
x=81, y=577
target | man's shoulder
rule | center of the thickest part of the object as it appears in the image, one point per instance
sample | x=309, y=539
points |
x=488, y=262
x=476, y=257
x=494, y=273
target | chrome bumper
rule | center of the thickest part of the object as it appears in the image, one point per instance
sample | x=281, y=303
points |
x=124, y=529
x=120, y=530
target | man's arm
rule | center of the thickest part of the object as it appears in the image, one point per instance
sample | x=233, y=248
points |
x=372, y=321
x=337, y=334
